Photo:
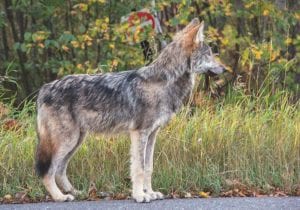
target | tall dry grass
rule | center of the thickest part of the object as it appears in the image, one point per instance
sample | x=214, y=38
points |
x=255, y=141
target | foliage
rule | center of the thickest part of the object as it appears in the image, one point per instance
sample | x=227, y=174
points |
x=44, y=40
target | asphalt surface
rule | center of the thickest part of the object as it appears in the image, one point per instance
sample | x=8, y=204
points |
x=286, y=203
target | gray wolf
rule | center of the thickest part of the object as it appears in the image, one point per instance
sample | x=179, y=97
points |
x=137, y=102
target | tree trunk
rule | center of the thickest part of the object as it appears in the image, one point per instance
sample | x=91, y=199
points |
x=5, y=45
x=293, y=6
x=10, y=17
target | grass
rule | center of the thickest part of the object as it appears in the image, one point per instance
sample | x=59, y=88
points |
x=254, y=141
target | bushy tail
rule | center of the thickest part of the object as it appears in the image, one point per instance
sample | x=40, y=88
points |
x=43, y=157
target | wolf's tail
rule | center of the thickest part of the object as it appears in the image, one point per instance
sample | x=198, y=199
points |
x=43, y=156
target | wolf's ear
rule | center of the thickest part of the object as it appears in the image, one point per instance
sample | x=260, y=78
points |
x=195, y=22
x=192, y=24
x=200, y=34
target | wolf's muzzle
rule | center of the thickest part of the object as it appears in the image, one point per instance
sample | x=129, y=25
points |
x=216, y=71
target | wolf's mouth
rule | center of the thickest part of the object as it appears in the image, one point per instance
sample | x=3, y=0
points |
x=210, y=73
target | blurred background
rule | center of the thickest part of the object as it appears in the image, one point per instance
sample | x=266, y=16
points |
x=43, y=40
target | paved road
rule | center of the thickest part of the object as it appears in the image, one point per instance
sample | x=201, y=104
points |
x=210, y=203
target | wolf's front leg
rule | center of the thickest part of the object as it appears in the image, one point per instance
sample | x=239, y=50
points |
x=149, y=167
x=138, y=147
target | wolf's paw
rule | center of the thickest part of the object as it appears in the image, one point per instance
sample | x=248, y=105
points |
x=67, y=197
x=142, y=197
x=156, y=195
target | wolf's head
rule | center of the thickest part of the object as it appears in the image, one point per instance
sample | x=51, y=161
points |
x=202, y=59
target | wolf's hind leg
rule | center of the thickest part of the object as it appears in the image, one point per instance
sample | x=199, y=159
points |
x=63, y=147
x=61, y=173
x=149, y=167
x=56, y=194
x=46, y=161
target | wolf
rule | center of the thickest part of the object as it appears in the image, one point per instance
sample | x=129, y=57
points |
x=137, y=102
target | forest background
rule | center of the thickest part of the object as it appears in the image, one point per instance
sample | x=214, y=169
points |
x=255, y=105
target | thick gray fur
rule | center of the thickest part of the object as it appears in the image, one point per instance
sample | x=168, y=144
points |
x=137, y=102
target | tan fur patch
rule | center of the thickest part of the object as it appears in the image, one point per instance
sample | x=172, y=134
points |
x=195, y=22
x=46, y=144
x=188, y=40
x=46, y=148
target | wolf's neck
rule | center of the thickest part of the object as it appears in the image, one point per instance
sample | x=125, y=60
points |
x=170, y=65
x=180, y=91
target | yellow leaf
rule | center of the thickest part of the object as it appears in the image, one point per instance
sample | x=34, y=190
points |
x=247, y=6
x=104, y=26
x=257, y=53
x=41, y=45
x=112, y=46
x=183, y=21
x=98, y=22
x=27, y=46
x=106, y=36
x=75, y=44
x=282, y=60
x=167, y=23
x=266, y=12
x=273, y=57
x=204, y=194
x=161, y=7
x=39, y=36
x=7, y=197
x=225, y=41
x=288, y=41
x=228, y=10
x=83, y=7
x=87, y=38
x=192, y=9
x=228, y=13
x=65, y=48
x=114, y=63
x=165, y=3
x=212, y=33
